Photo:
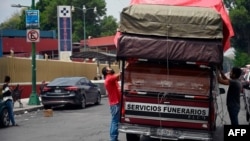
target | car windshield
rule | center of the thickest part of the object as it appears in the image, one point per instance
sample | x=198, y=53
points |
x=65, y=81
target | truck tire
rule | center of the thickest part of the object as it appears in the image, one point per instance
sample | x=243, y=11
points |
x=132, y=137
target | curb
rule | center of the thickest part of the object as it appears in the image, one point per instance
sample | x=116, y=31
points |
x=18, y=111
x=24, y=110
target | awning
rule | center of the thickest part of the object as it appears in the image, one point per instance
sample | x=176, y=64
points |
x=101, y=56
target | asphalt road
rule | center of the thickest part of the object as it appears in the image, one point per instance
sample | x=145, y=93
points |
x=67, y=124
x=90, y=124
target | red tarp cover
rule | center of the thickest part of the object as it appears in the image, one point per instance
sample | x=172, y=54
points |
x=216, y=4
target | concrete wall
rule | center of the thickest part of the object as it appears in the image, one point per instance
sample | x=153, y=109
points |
x=20, y=71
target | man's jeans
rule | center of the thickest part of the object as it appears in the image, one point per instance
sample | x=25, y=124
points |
x=115, y=116
x=9, y=104
x=233, y=114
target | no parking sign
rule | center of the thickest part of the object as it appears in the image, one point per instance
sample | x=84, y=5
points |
x=33, y=35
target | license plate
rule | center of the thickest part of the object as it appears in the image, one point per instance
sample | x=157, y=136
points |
x=57, y=91
x=165, y=132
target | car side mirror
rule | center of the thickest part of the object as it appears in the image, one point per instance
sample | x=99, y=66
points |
x=222, y=90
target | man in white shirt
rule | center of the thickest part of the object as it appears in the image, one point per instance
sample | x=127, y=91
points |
x=7, y=97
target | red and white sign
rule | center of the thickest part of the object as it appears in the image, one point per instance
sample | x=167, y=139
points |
x=33, y=35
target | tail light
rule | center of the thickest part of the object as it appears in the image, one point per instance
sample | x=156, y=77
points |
x=45, y=89
x=71, y=88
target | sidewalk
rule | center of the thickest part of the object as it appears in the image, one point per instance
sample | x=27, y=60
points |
x=26, y=107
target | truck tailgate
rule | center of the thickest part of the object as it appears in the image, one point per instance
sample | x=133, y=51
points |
x=173, y=96
x=167, y=112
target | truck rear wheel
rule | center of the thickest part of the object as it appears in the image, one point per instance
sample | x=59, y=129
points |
x=132, y=137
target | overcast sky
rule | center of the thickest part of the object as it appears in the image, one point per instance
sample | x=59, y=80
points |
x=114, y=7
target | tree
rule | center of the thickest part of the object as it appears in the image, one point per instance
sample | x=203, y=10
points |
x=97, y=24
x=241, y=59
x=12, y=22
x=93, y=21
x=22, y=23
x=108, y=26
x=239, y=12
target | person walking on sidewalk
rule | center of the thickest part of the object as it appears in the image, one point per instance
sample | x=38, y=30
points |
x=7, y=97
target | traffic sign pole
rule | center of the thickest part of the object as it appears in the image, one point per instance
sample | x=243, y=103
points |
x=33, y=99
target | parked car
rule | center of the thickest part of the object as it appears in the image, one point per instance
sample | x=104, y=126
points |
x=100, y=83
x=4, y=117
x=70, y=91
x=246, y=95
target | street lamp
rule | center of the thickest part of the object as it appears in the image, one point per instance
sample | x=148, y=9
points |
x=84, y=10
x=19, y=6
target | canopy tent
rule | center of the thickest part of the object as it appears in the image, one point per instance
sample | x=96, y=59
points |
x=100, y=56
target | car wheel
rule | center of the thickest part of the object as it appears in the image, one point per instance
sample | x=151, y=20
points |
x=98, y=99
x=83, y=103
x=132, y=137
x=4, y=118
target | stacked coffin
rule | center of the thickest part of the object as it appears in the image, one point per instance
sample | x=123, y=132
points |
x=171, y=32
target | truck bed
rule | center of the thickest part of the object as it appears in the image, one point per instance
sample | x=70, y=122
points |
x=160, y=78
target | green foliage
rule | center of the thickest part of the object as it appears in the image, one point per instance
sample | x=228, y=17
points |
x=109, y=26
x=12, y=22
x=78, y=30
x=239, y=12
x=22, y=23
x=93, y=21
x=241, y=59
x=48, y=15
x=96, y=24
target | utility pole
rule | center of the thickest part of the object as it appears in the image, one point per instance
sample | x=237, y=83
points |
x=33, y=99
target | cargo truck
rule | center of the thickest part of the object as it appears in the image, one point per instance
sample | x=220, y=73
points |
x=169, y=89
